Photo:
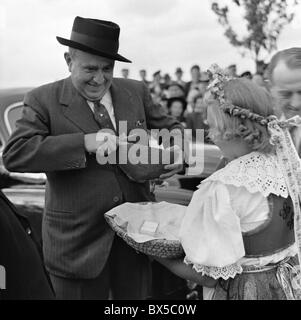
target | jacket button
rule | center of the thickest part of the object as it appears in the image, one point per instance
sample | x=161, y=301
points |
x=116, y=199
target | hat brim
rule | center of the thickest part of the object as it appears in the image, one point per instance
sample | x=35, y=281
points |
x=79, y=46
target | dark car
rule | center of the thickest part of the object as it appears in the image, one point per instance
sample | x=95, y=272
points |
x=25, y=190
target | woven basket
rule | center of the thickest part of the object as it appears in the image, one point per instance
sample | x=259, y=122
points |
x=158, y=247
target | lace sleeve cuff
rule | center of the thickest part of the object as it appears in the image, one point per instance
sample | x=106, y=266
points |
x=225, y=273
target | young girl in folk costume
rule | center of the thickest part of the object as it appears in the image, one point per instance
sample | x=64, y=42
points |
x=242, y=231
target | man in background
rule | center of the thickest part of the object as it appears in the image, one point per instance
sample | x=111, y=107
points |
x=179, y=75
x=125, y=73
x=193, y=87
x=143, y=77
x=284, y=74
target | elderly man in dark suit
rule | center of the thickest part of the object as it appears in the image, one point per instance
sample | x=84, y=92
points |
x=58, y=135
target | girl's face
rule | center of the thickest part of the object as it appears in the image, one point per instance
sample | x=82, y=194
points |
x=231, y=149
x=176, y=109
x=213, y=123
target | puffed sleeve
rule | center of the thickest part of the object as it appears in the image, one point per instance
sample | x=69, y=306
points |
x=211, y=234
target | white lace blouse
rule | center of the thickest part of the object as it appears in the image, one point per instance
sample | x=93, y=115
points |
x=231, y=201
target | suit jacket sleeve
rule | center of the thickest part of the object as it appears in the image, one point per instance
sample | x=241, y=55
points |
x=157, y=118
x=32, y=148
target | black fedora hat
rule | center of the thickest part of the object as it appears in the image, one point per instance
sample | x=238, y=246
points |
x=94, y=36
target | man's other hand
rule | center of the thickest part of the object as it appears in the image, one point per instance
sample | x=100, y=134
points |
x=178, y=164
x=93, y=141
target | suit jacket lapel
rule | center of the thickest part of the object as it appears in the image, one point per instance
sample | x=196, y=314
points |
x=124, y=109
x=76, y=109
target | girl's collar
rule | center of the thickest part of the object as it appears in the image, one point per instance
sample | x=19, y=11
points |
x=256, y=171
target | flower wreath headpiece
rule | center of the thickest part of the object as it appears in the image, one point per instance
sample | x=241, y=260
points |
x=218, y=80
x=280, y=137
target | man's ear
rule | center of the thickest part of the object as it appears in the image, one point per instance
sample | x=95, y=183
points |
x=68, y=60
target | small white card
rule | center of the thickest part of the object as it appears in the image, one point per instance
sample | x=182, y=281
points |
x=149, y=227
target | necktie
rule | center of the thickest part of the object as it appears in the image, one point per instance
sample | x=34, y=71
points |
x=102, y=116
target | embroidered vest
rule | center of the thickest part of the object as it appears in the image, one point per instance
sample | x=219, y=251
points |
x=276, y=234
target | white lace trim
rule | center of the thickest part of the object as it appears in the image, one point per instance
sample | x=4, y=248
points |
x=257, y=172
x=291, y=167
x=225, y=273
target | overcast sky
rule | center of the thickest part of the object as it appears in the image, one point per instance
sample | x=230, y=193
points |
x=155, y=35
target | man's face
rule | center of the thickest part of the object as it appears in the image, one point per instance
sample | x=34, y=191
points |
x=176, y=108
x=91, y=75
x=157, y=77
x=179, y=75
x=286, y=89
x=195, y=74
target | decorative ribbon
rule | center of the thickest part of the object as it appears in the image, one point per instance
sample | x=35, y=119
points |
x=289, y=277
x=290, y=164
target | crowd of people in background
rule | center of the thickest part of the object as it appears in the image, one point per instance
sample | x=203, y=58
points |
x=186, y=100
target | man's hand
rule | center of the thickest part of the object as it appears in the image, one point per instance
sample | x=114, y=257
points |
x=178, y=164
x=174, y=168
x=91, y=144
x=104, y=139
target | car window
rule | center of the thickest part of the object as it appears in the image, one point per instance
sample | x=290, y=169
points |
x=12, y=114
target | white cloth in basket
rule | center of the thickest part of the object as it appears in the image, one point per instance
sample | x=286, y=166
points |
x=131, y=216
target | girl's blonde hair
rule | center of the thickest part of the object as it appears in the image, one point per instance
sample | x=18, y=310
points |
x=247, y=95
